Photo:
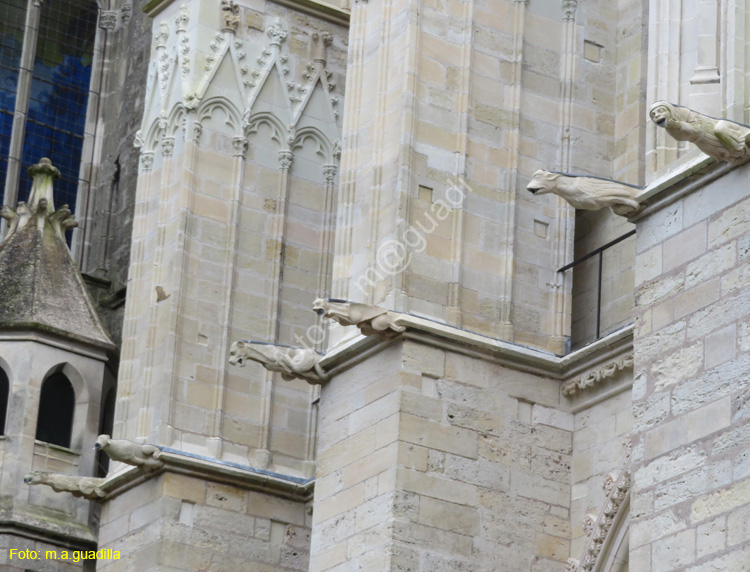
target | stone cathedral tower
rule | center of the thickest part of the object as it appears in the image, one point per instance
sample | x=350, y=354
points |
x=491, y=380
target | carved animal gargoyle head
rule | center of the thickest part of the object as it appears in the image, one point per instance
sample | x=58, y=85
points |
x=543, y=182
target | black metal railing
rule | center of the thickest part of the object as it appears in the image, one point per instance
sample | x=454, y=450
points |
x=598, y=252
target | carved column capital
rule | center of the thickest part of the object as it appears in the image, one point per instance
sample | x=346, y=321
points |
x=197, y=132
x=182, y=19
x=320, y=43
x=569, y=9
x=285, y=159
x=240, y=146
x=162, y=36
x=276, y=33
x=127, y=12
x=147, y=161
x=108, y=19
x=230, y=16
x=329, y=173
x=167, y=146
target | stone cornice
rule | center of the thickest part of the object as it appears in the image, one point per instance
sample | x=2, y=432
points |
x=214, y=470
x=678, y=182
x=507, y=354
x=52, y=337
x=322, y=10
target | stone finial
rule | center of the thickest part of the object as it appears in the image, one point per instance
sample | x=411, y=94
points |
x=369, y=319
x=40, y=209
x=588, y=193
x=291, y=362
x=718, y=138
x=230, y=16
x=319, y=47
x=43, y=175
x=86, y=487
x=145, y=457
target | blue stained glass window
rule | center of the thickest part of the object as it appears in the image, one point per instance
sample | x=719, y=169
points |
x=59, y=90
x=12, y=22
x=59, y=93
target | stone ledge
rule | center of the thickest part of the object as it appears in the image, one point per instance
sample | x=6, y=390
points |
x=510, y=355
x=213, y=470
x=686, y=178
x=50, y=337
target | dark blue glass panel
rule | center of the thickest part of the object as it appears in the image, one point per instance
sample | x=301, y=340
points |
x=59, y=93
x=12, y=22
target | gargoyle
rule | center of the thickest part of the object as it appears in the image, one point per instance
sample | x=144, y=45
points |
x=86, y=487
x=145, y=457
x=588, y=193
x=300, y=363
x=369, y=319
x=719, y=138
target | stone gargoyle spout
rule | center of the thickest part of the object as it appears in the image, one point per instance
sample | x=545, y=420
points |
x=291, y=362
x=718, y=138
x=145, y=457
x=586, y=192
x=86, y=487
x=369, y=319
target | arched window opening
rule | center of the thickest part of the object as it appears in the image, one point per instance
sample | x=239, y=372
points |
x=4, y=391
x=56, y=406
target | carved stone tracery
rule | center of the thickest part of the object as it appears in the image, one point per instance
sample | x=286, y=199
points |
x=617, y=488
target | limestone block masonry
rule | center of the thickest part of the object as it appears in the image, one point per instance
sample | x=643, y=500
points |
x=690, y=503
x=430, y=459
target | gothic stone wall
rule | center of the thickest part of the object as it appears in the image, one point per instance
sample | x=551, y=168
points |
x=180, y=522
x=690, y=501
x=430, y=459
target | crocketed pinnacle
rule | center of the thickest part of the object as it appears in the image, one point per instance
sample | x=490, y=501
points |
x=40, y=286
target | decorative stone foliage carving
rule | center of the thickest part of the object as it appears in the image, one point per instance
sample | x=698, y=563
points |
x=108, y=19
x=617, y=486
x=240, y=146
x=329, y=173
x=719, y=138
x=86, y=487
x=593, y=377
x=569, y=9
x=584, y=192
x=230, y=16
x=285, y=159
x=291, y=362
x=127, y=12
x=369, y=319
x=276, y=33
x=145, y=457
x=147, y=161
x=161, y=36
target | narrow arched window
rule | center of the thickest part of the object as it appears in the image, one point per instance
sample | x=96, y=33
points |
x=56, y=406
x=4, y=390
